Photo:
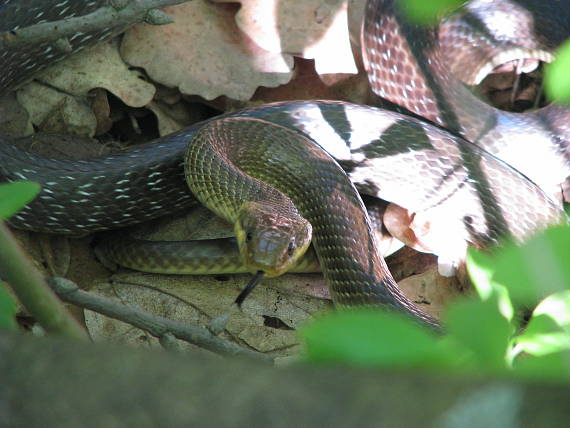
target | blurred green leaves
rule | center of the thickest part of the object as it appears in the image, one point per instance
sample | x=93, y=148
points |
x=7, y=309
x=556, y=81
x=14, y=196
x=371, y=337
x=428, y=12
x=530, y=272
x=481, y=334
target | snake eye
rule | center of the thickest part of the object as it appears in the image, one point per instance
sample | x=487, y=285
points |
x=291, y=248
x=248, y=237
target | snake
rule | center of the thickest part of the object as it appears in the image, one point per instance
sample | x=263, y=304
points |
x=441, y=151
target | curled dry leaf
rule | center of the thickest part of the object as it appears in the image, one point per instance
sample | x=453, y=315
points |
x=204, y=53
x=67, y=109
x=101, y=67
x=312, y=29
x=166, y=122
x=53, y=111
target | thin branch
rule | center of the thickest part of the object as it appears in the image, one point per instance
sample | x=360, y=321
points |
x=155, y=325
x=32, y=291
x=104, y=18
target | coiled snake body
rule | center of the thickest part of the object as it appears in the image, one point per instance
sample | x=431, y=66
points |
x=386, y=154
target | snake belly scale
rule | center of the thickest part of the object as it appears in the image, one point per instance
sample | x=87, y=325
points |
x=386, y=154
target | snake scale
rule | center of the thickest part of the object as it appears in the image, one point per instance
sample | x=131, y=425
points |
x=467, y=172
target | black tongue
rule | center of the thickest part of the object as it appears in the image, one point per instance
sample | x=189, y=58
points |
x=256, y=279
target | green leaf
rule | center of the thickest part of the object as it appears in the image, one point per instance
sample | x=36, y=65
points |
x=14, y=196
x=554, y=367
x=556, y=82
x=538, y=268
x=479, y=327
x=529, y=272
x=549, y=328
x=366, y=337
x=481, y=268
x=7, y=309
x=428, y=12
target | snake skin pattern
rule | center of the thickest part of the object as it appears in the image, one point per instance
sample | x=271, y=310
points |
x=386, y=154
x=188, y=257
x=19, y=64
x=407, y=65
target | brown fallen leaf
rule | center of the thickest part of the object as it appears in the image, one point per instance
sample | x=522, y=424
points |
x=51, y=110
x=101, y=67
x=431, y=291
x=204, y=53
x=102, y=110
x=68, y=108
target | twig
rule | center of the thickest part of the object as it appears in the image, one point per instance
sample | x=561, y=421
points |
x=169, y=342
x=32, y=291
x=155, y=325
x=103, y=18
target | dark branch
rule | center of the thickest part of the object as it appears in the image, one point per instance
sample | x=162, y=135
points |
x=101, y=19
x=157, y=326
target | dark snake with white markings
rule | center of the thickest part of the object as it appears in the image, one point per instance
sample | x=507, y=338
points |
x=470, y=174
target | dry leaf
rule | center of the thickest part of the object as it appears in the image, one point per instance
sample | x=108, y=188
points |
x=204, y=53
x=14, y=119
x=100, y=67
x=312, y=29
x=431, y=291
x=68, y=109
x=266, y=323
x=54, y=111
x=166, y=122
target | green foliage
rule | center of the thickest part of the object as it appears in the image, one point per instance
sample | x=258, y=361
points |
x=549, y=329
x=7, y=309
x=470, y=323
x=556, y=82
x=13, y=196
x=530, y=272
x=428, y=12
x=359, y=337
x=483, y=335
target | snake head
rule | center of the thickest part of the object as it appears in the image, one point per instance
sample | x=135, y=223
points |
x=271, y=238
